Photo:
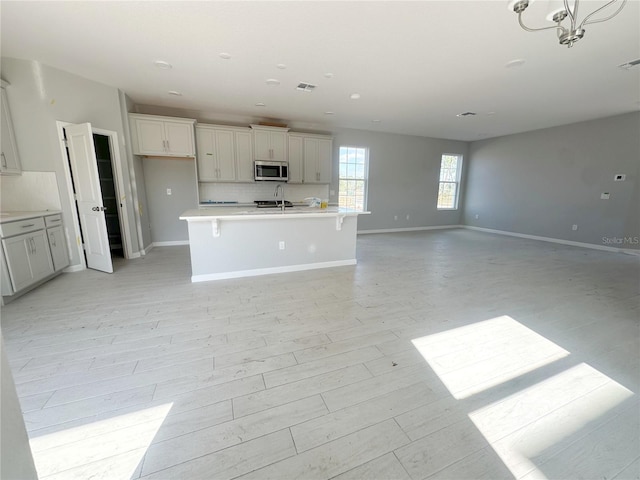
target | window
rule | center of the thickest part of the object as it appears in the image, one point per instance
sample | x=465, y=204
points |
x=352, y=192
x=450, y=168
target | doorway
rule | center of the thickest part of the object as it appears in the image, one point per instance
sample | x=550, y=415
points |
x=109, y=194
x=97, y=189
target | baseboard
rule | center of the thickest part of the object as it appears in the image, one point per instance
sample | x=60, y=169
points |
x=409, y=229
x=74, y=268
x=135, y=255
x=554, y=240
x=170, y=244
x=268, y=271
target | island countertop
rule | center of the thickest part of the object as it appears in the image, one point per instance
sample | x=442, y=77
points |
x=249, y=213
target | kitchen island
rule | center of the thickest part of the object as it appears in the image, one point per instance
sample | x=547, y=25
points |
x=231, y=242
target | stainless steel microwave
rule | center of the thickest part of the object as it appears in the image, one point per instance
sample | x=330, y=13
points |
x=272, y=171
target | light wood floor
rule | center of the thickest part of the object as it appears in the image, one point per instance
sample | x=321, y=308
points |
x=448, y=354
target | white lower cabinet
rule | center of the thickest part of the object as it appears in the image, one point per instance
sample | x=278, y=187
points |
x=32, y=250
x=28, y=258
x=58, y=247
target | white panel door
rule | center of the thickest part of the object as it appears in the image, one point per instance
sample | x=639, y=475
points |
x=179, y=137
x=226, y=156
x=244, y=156
x=84, y=169
x=206, y=159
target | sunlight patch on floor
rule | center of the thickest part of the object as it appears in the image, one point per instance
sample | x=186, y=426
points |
x=527, y=428
x=476, y=357
x=117, y=444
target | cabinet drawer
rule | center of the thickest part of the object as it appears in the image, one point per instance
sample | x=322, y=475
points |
x=53, y=220
x=10, y=229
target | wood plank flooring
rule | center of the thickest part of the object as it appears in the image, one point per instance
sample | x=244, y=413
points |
x=447, y=354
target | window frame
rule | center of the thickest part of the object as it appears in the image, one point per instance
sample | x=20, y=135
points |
x=457, y=181
x=364, y=180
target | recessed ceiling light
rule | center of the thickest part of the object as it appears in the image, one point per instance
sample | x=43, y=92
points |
x=281, y=66
x=329, y=113
x=260, y=104
x=328, y=75
x=174, y=92
x=162, y=64
x=491, y=113
x=518, y=62
x=225, y=56
x=272, y=82
x=466, y=114
x=376, y=120
x=354, y=96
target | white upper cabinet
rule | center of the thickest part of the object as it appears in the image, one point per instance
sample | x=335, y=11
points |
x=270, y=143
x=296, y=158
x=317, y=155
x=10, y=161
x=224, y=154
x=244, y=155
x=156, y=136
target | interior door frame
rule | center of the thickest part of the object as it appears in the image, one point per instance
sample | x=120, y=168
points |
x=119, y=185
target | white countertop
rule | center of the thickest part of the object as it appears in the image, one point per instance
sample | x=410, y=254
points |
x=248, y=213
x=16, y=216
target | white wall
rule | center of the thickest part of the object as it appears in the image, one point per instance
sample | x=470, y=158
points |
x=16, y=461
x=39, y=96
x=543, y=182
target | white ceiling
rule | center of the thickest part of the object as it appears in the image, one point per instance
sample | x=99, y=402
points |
x=415, y=64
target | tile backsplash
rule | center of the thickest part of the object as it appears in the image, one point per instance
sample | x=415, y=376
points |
x=248, y=192
x=31, y=191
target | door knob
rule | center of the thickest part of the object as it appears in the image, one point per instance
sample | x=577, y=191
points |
x=96, y=209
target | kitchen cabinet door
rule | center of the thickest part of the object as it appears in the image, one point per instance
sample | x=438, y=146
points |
x=206, y=159
x=40, y=260
x=262, y=145
x=295, y=159
x=150, y=136
x=179, y=138
x=244, y=156
x=317, y=160
x=9, y=159
x=58, y=247
x=278, y=146
x=325, y=150
x=225, y=156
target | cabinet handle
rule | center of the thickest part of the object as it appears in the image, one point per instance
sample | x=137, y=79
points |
x=4, y=160
x=27, y=226
x=53, y=239
x=168, y=148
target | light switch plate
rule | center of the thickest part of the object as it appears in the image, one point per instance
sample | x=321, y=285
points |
x=620, y=177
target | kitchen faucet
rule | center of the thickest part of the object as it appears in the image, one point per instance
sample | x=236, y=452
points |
x=279, y=188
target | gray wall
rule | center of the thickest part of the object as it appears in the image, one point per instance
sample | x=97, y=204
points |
x=542, y=182
x=16, y=461
x=403, y=178
x=38, y=97
x=180, y=176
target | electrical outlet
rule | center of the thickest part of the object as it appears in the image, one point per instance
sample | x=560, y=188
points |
x=407, y=216
x=605, y=196
x=574, y=227
x=281, y=245
x=395, y=217
x=168, y=191
x=620, y=177
x=477, y=216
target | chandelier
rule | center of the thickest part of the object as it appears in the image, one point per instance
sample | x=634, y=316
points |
x=573, y=30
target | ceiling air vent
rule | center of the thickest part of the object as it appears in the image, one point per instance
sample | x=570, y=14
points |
x=466, y=114
x=305, y=87
x=630, y=64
